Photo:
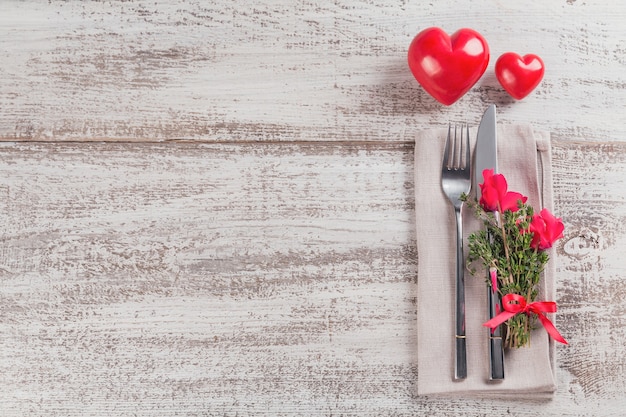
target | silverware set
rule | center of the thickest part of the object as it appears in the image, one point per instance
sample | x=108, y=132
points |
x=456, y=180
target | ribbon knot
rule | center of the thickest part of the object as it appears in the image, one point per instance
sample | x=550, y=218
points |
x=514, y=304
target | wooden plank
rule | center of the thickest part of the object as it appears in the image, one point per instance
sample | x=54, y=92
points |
x=268, y=279
x=181, y=277
x=278, y=70
x=591, y=198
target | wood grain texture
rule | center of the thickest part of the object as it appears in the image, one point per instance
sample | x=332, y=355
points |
x=292, y=70
x=150, y=279
x=594, y=204
x=275, y=279
x=207, y=208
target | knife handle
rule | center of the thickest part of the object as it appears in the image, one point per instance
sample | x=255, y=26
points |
x=496, y=350
x=460, y=363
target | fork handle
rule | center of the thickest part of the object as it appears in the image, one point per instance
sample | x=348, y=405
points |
x=460, y=362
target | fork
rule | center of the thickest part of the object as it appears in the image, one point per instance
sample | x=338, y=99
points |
x=456, y=181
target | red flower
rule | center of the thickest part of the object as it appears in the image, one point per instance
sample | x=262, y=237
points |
x=495, y=195
x=546, y=228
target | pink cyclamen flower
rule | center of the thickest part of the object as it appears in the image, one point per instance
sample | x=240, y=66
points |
x=546, y=229
x=495, y=195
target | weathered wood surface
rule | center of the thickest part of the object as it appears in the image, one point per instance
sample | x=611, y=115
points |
x=276, y=279
x=207, y=208
x=288, y=70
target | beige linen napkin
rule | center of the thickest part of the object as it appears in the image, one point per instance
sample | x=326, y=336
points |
x=524, y=159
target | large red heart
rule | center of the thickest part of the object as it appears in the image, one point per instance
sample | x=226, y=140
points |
x=519, y=75
x=448, y=66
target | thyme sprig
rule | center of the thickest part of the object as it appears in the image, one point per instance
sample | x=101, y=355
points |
x=505, y=244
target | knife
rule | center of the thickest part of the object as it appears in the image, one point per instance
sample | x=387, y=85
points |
x=487, y=158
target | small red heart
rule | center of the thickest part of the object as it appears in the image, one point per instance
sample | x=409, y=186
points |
x=519, y=75
x=448, y=66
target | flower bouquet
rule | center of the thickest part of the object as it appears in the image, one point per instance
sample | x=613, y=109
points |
x=512, y=247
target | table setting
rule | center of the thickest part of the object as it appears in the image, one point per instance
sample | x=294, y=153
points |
x=526, y=155
x=447, y=67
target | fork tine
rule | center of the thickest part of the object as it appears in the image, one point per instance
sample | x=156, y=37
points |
x=456, y=155
x=454, y=150
x=468, y=160
x=446, y=150
x=458, y=147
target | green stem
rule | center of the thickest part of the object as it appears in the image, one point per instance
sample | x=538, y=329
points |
x=505, y=243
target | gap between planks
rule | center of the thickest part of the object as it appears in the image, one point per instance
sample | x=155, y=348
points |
x=381, y=144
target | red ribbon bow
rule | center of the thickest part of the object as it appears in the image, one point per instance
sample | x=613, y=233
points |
x=515, y=304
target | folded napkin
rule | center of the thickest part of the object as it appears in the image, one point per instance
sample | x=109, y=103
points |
x=525, y=160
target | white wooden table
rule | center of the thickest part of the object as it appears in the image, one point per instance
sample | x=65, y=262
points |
x=207, y=208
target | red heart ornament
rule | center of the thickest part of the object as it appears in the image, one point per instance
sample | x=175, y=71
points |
x=519, y=75
x=448, y=66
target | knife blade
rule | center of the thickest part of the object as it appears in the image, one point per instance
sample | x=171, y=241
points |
x=486, y=157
